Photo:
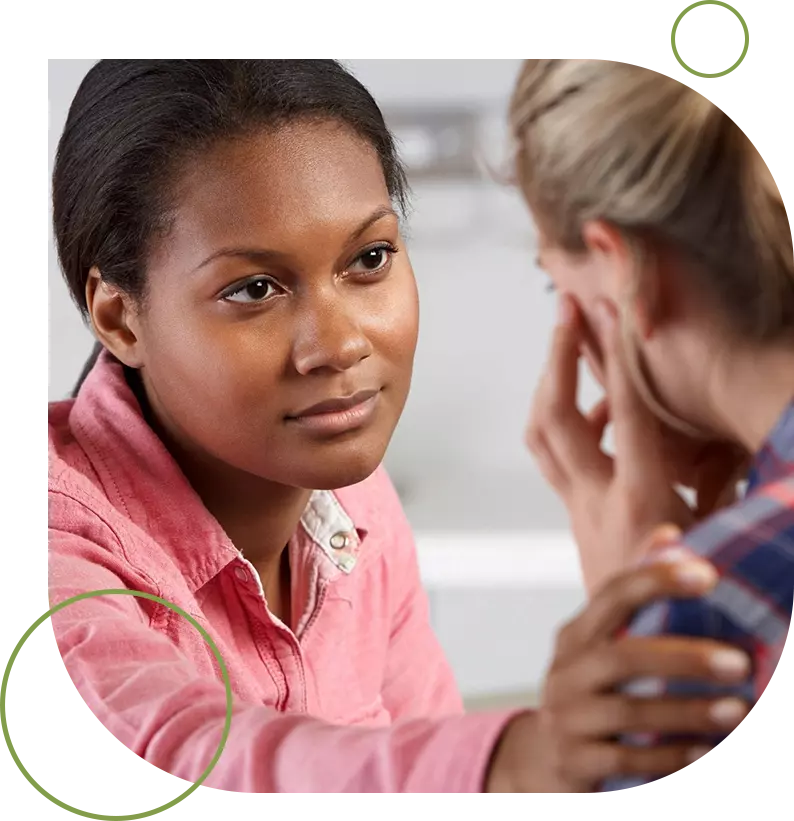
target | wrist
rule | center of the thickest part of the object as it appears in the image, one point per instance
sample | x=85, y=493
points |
x=509, y=763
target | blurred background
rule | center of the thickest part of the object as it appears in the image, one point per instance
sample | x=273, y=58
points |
x=495, y=551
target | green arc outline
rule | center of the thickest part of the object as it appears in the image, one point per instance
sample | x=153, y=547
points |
x=202, y=632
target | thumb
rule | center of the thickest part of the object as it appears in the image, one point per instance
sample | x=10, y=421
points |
x=663, y=545
x=662, y=538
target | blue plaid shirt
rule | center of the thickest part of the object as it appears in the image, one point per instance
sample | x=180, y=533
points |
x=751, y=544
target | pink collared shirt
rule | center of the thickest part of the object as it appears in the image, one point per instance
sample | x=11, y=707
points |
x=358, y=698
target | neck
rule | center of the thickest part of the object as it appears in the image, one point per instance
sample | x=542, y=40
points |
x=258, y=516
x=750, y=392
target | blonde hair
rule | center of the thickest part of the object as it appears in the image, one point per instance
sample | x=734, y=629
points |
x=602, y=140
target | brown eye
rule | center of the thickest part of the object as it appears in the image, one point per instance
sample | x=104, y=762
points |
x=372, y=260
x=254, y=290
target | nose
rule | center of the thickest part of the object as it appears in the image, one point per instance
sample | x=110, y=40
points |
x=329, y=337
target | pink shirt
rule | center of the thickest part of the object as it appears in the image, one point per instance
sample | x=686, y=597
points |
x=358, y=698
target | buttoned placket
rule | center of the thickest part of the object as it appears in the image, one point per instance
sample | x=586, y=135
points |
x=333, y=534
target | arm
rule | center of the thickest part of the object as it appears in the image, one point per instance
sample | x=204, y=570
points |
x=156, y=702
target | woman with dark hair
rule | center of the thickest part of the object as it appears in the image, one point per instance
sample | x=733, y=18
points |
x=231, y=229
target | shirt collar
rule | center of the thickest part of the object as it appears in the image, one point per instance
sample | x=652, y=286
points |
x=141, y=479
x=776, y=458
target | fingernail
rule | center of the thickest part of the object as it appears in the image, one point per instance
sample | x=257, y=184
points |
x=667, y=533
x=697, y=752
x=696, y=574
x=564, y=310
x=665, y=555
x=732, y=665
x=728, y=712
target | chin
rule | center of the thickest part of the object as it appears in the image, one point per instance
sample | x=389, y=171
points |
x=334, y=477
x=336, y=473
x=326, y=468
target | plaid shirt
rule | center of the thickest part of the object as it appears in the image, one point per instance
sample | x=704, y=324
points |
x=751, y=544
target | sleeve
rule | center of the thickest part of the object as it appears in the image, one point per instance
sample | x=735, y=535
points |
x=155, y=701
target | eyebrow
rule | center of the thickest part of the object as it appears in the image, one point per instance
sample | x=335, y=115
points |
x=260, y=255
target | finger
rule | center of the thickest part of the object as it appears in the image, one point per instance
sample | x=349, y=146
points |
x=594, y=762
x=614, y=604
x=666, y=657
x=563, y=362
x=548, y=465
x=610, y=715
x=638, y=442
x=598, y=418
x=556, y=414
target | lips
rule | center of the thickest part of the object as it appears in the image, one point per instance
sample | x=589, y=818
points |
x=335, y=405
x=340, y=415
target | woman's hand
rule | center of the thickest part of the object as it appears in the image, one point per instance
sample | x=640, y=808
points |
x=569, y=745
x=613, y=503
x=711, y=468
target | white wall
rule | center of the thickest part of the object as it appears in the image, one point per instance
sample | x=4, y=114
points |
x=70, y=340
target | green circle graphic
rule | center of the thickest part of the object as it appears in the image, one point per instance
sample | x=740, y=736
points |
x=711, y=3
x=202, y=632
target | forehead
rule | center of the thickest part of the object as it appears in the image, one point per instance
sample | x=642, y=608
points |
x=277, y=184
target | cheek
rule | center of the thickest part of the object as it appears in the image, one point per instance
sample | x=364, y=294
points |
x=585, y=290
x=393, y=324
x=207, y=367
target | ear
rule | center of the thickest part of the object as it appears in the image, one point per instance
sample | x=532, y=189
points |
x=114, y=317
x=626, y=283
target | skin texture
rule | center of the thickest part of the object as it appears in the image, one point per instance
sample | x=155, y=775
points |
x=296, y=211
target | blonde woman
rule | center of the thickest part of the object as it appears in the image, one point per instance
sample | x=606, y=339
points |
x=664, y=233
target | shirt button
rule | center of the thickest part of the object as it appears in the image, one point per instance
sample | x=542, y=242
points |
x=339, y=541
x=241, y=573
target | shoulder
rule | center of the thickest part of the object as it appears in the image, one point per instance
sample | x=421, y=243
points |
x=78, y=507
x=752, y=539
x=67, y=458
x=751, y=545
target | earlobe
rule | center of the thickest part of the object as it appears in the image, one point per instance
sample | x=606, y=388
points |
x=114, y=319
